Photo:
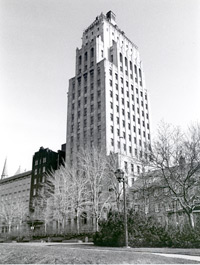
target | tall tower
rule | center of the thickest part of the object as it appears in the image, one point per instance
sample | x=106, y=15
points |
x=107, y=98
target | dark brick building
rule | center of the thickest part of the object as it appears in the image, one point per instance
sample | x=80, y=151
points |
x=44, y=162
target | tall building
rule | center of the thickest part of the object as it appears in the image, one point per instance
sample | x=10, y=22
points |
x=44, y=162
x=107, y=98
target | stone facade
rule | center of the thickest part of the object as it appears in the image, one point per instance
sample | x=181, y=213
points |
x=107, y=99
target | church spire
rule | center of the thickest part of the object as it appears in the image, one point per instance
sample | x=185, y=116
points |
x=4, y=172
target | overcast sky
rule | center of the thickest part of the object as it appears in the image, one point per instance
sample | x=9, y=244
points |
x=38, y=40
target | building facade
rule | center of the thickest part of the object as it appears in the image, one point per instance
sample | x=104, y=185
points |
x=107, y=99
x=44, y=162
x=14, y=202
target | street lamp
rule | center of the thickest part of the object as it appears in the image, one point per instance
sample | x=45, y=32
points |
x=119, y=173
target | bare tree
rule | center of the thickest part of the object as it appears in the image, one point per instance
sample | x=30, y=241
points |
x=177, y=157
x=94, y=165
x=13, y=213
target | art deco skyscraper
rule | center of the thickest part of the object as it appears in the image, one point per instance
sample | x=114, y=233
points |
x=107, y=98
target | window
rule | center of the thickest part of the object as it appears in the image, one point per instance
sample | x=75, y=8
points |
x=35, y=181
x=111, y=116
x=43, y=170
x=80, y=60
x=85, y=57
x=132, y=168
x=123, y=101
x=85, y=100
x=36, y=162
x=124, y=135
x=112, y=141
x=99, y=128
x=127, y=83
x=131, y=66
x=99, y=104
x=129, y=115
x=129, y=137
x=111, y=129
x=135, y=69
x=136, y=152
x=123, y=112
x=92, y=108
x=85, y=111
x=92, y=120
x=129, y=126
x=111, y=93
x=138, y=169
x=34, y=192
x=122, y=80
x=110, y=71
x=99, y=116
x=118, y=144
x=126, y=166
x=123, y=122
x=118, y=132
x=120, y=57
x=91, y=131
x=126, y=62
x=92, y=52
x=128, y=105
x=111, y=105
x=116, y=76
x=117, y=97
x=110, y=82
x=122, y=90
x=130, y=149
x=117, y=107
x=116, y=86
x=117, y=120
x=124, y=147
x=85, y=123
x=98, y=82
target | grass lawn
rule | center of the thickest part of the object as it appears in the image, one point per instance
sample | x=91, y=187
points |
x=41, y=253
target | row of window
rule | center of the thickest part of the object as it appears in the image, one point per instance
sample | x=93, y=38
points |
x=40, y=161
x=39, y=170
x=86, y=56
x=129, y=149
x=129, y=136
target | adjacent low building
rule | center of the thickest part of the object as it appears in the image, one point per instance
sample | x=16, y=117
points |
x=14, y=202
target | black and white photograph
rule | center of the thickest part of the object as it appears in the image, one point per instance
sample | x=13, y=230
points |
x=100, y=132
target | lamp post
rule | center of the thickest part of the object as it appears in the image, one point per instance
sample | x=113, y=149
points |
x=119, y=173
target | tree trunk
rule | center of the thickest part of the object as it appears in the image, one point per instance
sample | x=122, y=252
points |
x=77, y=222
x=191, y=219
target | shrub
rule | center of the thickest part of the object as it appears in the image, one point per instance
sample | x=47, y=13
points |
x=142, y=231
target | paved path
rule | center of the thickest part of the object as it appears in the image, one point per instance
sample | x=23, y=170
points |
x=188, y=257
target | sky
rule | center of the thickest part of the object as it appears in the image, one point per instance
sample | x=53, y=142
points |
x=38, y=41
